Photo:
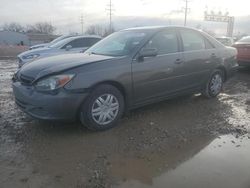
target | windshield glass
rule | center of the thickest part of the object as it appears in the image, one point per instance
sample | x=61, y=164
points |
x=245, y=39
x=58, y=39
x=60, y=43
x=118, y=44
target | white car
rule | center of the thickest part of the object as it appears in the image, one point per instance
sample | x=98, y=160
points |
x=70, y=45
x=50, y=43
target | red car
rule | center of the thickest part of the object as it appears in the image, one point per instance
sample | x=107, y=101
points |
x=243, y=47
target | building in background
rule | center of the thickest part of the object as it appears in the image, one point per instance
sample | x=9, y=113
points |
x=8, y=38
x=39, y=38
x=14, y=38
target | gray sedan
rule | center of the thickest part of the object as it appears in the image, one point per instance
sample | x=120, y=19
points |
x=126, y=70
x=69, y=45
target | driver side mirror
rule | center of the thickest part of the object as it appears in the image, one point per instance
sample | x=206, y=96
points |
x=68, y=47
x=147, y=52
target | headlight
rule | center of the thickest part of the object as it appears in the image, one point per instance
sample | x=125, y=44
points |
x=53, y=82
x=33, y=56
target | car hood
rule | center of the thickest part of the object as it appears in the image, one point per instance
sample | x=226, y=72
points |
x=56, y=64
x=40, y=45
x=35, y=51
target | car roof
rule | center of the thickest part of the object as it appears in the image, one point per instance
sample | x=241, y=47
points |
x=157, y=28
x=224, y=37
x=84, y=36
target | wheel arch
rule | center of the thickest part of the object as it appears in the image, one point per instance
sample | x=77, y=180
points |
x=224, y=71
x=115, y=84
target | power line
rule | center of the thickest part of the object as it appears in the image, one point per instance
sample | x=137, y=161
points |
x=110, y=11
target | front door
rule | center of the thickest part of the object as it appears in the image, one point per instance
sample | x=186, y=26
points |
x=158, y=76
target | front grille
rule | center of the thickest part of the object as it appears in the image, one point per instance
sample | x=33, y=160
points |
x=26, y=80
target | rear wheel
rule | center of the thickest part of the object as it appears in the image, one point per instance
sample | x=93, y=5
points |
x=214, y=85
x=103, y=108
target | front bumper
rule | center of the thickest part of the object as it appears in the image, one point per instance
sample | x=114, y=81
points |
x=62, y=106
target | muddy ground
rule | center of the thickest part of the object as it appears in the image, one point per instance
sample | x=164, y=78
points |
x=184, y=142
x=11, y=51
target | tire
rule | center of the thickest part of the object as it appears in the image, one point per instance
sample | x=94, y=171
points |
x=103, y=108
x=214, y=85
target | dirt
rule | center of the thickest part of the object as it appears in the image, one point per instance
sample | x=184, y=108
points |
x=190, y=140
x=11, y=51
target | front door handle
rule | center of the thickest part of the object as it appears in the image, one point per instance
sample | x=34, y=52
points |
x=178, y=61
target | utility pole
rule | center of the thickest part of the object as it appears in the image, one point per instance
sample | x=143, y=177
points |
x=186, y=11
x=81, y=20
x=110, y=11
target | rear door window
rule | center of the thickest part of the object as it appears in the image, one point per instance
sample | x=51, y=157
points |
x=192, y=41
x=91, y=41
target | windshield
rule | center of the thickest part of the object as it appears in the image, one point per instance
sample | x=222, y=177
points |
x=60, y=43
x=245, y=39
x=118, y=44
x=58, y=39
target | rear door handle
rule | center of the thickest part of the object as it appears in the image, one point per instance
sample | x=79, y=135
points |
x=213, y=55
x=178, y=61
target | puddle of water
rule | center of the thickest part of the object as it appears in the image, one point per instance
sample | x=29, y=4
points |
x=223, y=163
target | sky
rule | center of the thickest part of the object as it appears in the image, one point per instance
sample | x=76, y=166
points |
x=65, y=14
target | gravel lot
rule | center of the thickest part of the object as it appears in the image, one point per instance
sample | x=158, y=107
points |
x=188, y=141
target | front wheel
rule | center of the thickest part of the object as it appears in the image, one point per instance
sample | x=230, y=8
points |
x=214, y=85
x=103, y=108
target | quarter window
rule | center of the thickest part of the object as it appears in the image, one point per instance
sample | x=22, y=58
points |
x=192, y=41
x=165, y=42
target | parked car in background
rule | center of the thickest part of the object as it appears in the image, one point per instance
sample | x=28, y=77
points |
x=69, y=45
x=51, y=43
x=126, y=70
x=227, y=41
x=243, y=47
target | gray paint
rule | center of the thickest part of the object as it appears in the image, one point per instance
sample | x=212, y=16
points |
x=143, y=82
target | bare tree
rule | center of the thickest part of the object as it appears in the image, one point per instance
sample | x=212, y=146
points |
x=95, y=30
x=41, y=27
x=98, y=30
x=16, y=27
x=109, y=31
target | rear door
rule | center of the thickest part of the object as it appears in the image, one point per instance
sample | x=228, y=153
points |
x=200, y=56
x=158, y=76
